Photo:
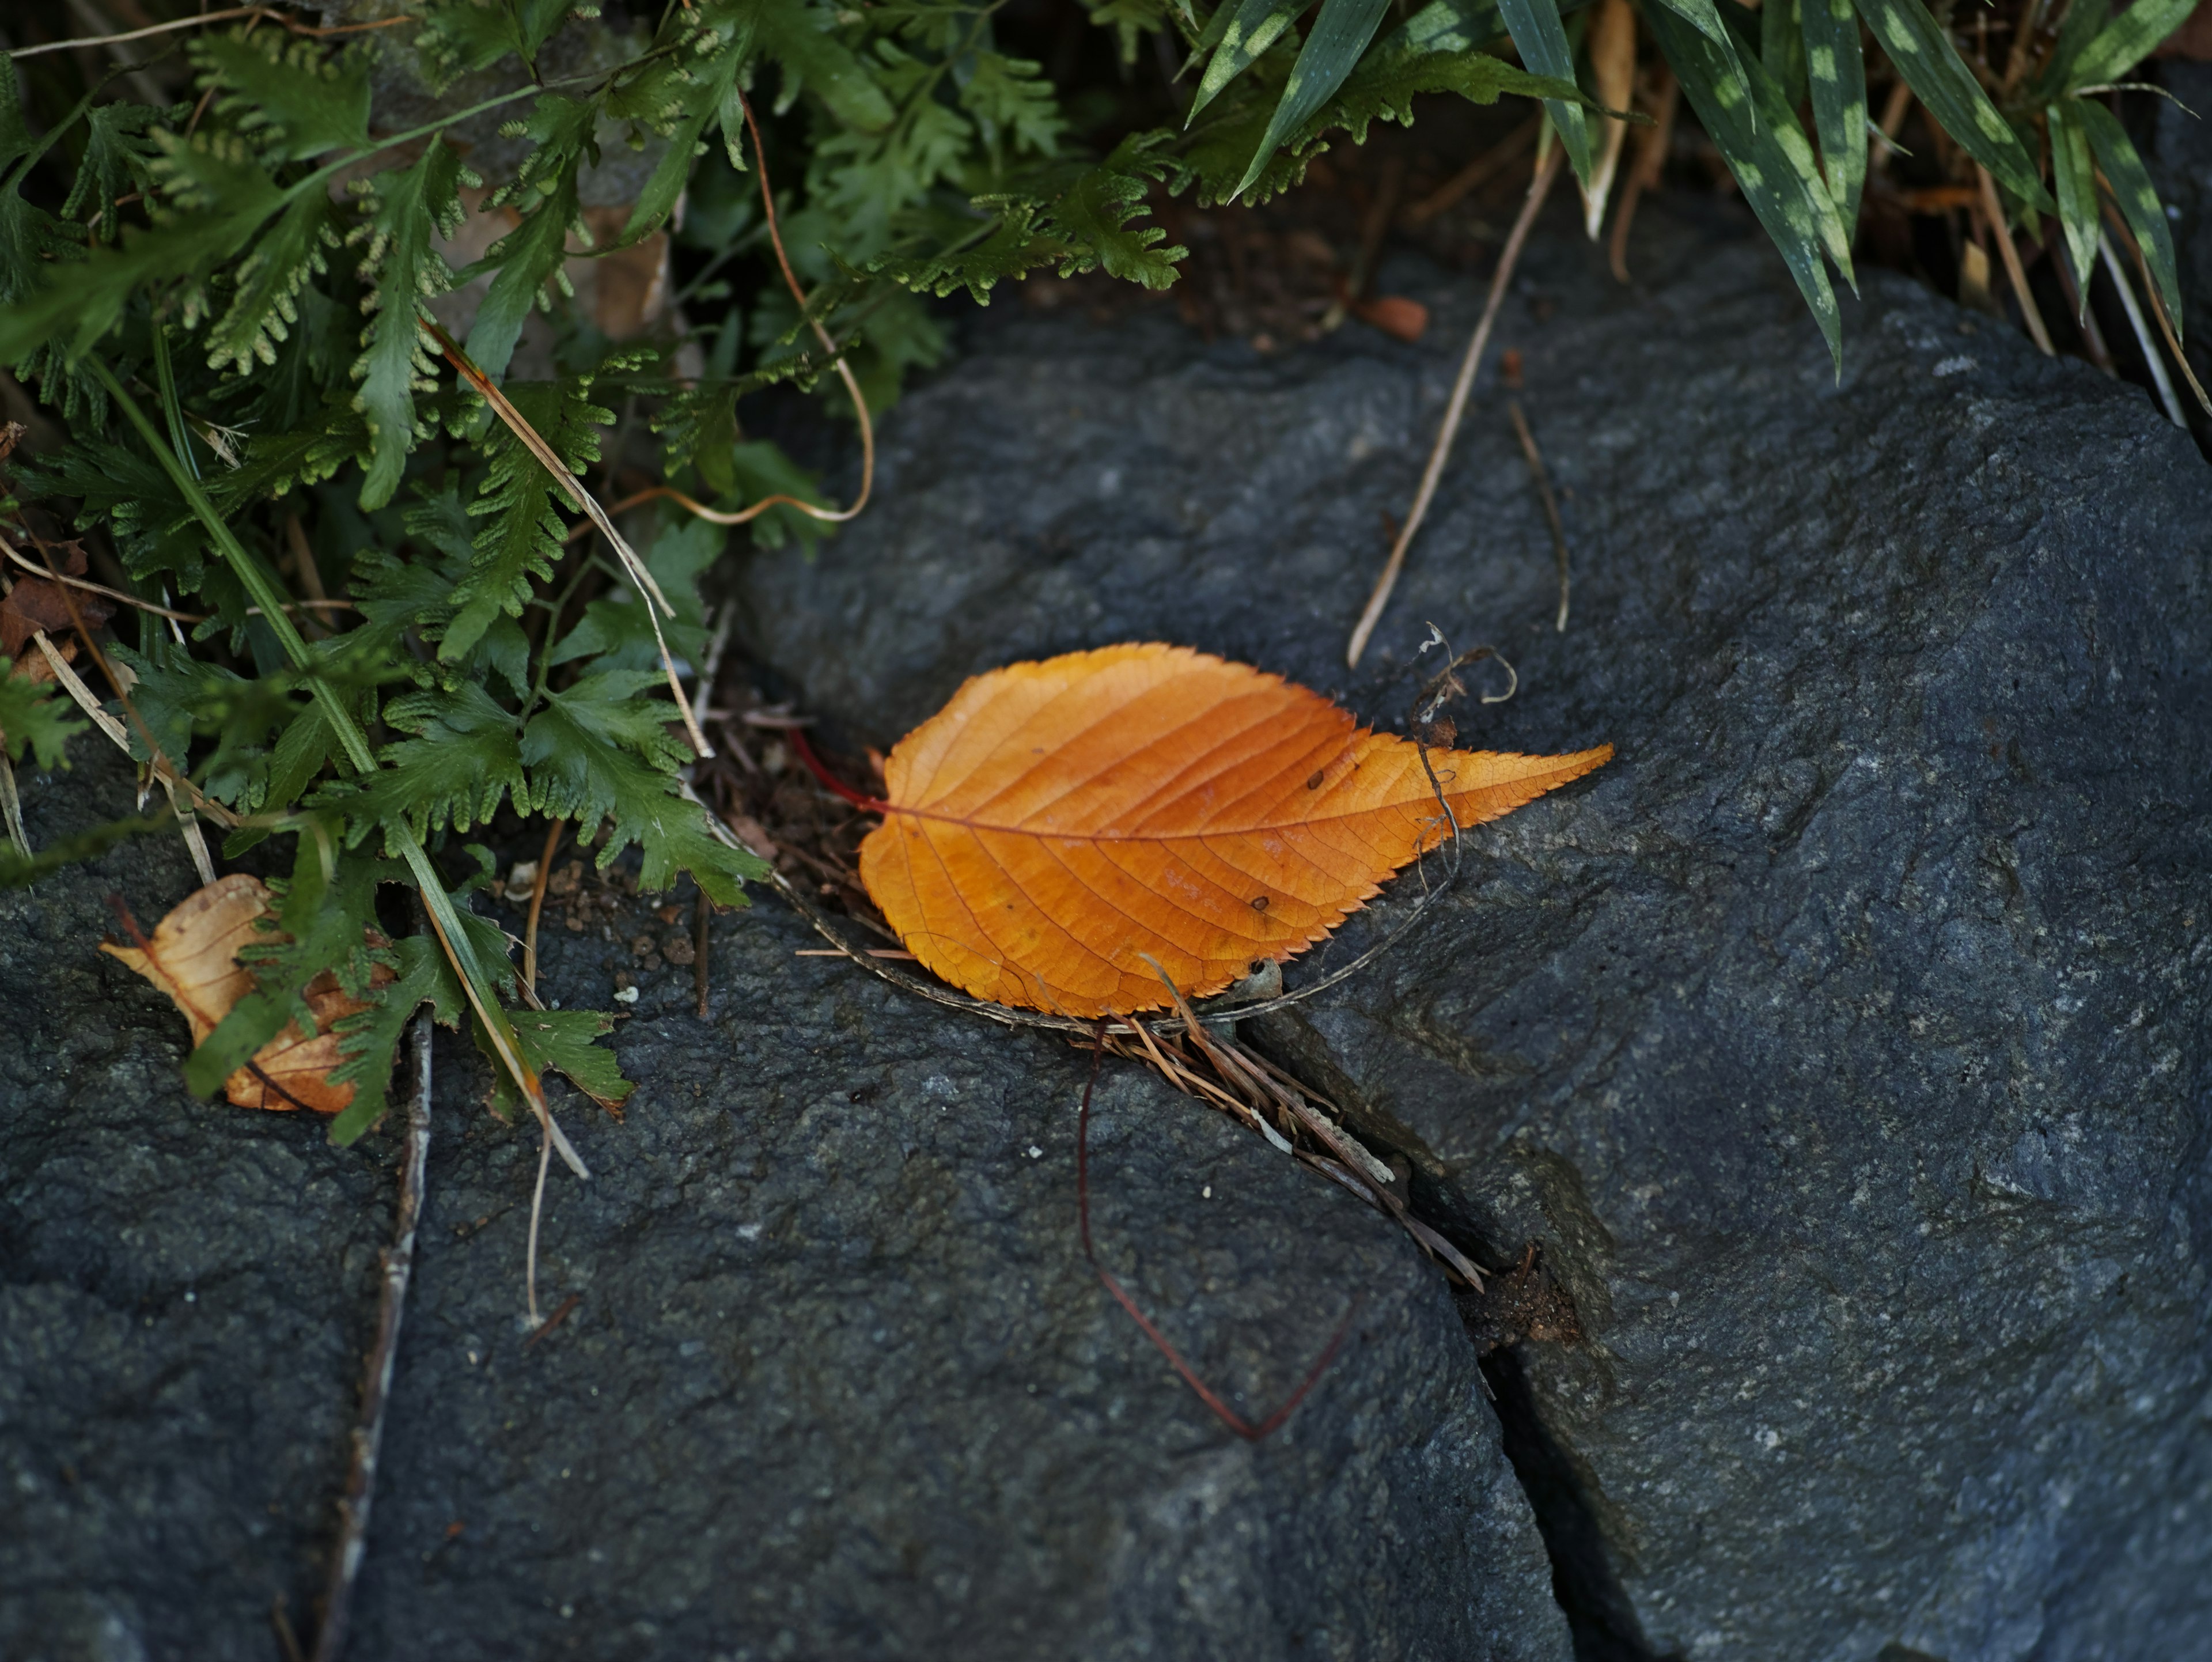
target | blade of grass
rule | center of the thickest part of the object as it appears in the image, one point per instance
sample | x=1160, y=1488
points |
x=1777, y=192
x=1252, y=28
x=2127, y=40
x=2143, y=341
x=2074, y=172
x=1922, y=50
x=443, y=917
x=1542, y=39
x=1835, y=74
x=2136, y=198
x=1340, y=33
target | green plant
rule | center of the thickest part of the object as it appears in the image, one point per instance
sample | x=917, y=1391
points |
x=221, y=264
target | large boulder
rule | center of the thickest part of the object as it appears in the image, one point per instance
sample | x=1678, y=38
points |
x=1844, y=1041
x=838, y=1381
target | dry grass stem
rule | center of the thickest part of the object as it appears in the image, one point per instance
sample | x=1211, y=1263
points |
x=1650, y=159
x=2009, y=253
x=633, y=567
x=1536, y=471
x=537, y=904
x=376, y=1382
x=86, y=586
x=827, y=516
x=1546, y=172
x=2152, y=356
x=232, y=14
x=1477, y=173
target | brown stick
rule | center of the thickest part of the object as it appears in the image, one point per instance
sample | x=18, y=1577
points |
x=1539, y=189
x=1551, y=503
x=1650, y=162
x=2143, y=341
x=2014, y=273
x=1476, y=173
x=376, y=1383
x=702, y=917
x=537, y=904
x=208, y=17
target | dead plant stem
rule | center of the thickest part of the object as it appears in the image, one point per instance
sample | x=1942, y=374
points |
x=2014, y=273
x=537, y=904
x=1546, y=172
x=1536, y=471
x=2152, y=356
x=376, y=1381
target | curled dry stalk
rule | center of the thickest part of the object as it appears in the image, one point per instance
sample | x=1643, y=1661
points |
x=588, y=505
x=1547, y=171
x=376, y=1379
x=812, y=511
x=227, y=16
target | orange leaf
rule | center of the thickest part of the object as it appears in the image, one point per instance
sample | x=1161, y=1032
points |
x=193, y=957
x=1057, y=822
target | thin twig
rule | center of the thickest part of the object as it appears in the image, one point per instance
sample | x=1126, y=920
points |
x=235, y=12
x=1251, y=1432
x=1650, y=162
x=2009, y=253
x=1543, y=479
x=88, y=587
x=1500, y=280
x=702, y=917
x=376, y=1382
x=562, y=1311
x=1476, y=173
x=537, y=904
x=2151, y=355
x=2158, y=311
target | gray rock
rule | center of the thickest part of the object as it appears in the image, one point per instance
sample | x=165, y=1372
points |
x=1845, y=1041
x=839, y=1383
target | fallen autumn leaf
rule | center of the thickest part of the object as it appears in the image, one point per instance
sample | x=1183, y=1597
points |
x=193, y=957
x=1057, y=823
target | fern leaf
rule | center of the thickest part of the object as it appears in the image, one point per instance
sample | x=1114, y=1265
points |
x=412, y=208
x=33, y=718
x=263, y=307
x=602, y=749
x=616, y=631
x=522, y=536
x=368, y=1039
x=297, y=100
x=462, y=35
x=118, y=157
x=560, y=1041
x=525, y=259
x=459, y=763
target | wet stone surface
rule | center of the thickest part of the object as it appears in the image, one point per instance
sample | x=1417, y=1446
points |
x=1844, y=1043
x=837, y=1382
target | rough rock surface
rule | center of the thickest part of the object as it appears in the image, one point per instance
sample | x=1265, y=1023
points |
x=839, y=1383
x=1845, y=1041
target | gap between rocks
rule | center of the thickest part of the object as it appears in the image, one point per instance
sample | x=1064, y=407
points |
x=1601, y=1616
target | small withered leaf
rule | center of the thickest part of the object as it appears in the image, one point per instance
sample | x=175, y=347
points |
x=1060, y=828
x=192, y=957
